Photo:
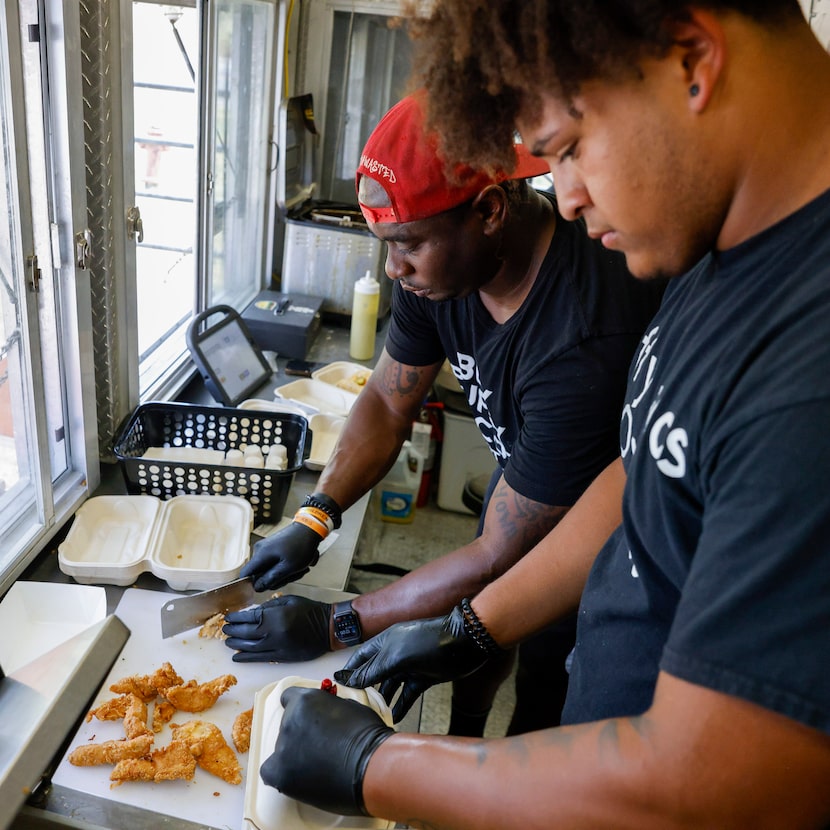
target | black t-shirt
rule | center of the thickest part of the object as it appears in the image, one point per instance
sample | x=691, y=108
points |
x=720, y=573
x=546, y=387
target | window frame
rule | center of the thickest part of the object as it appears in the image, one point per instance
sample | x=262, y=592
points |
x=32, y=522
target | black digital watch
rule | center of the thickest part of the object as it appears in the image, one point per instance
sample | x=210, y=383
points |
x=346, y=624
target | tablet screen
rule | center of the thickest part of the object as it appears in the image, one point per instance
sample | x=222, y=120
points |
x=236, y=366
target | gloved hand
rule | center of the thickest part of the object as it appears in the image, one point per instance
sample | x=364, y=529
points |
x=323, y=749
x=285, y=630
x=413, y=656
x=284, y=557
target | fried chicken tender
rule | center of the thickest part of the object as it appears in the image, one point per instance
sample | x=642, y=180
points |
x=196, y=697
x=213, y=627
x=241, y=730
x=148, y=686
x=212, y=752
x=163, y=713
x=135, y=718
x=110, y=752
x=168, y=763
x=112, y=709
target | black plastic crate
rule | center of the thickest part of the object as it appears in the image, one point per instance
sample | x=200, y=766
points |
x=211, y=428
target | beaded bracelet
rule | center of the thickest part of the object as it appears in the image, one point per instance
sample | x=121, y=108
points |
x=475, y=629
x=327, y=504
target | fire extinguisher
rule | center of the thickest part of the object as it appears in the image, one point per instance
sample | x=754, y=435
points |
x=426, y=436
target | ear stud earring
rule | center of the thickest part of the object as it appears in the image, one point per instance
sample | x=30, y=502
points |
x=694, y=89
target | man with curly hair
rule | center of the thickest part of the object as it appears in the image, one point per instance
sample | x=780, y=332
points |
x=695, y=138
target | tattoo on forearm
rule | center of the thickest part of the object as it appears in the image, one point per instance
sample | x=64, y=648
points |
x=521, y=518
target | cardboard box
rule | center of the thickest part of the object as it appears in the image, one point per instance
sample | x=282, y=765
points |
x=284, y=323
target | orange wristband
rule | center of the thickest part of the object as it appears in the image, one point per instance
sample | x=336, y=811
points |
x=318, y=514
x=312, y=523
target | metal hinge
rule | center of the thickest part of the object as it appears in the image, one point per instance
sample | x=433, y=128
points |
x=34, y=273
x=135, y=227
x=83, y=248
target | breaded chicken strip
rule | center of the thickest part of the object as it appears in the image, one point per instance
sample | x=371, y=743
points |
x=112, y=709
x=135, y=718
x=163, y=713
x=211, y=750
x=196, y=697
x=241, y=730
x=213, y=627
x=148, y=686
x=168, y=763
x=110, y=752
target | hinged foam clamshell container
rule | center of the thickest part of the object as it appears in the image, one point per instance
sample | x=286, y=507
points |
x=266, y=807
x=191, y=542
x=343, y=371
x=326, y=429
x=318, y=396
x=172, y=426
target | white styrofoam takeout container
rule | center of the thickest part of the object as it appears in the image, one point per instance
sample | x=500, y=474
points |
x=318, y=396
x=193, y=542
x=340, y=370
x=43, y=615
x=267, y=807
x=325, y=430
x=263, y=405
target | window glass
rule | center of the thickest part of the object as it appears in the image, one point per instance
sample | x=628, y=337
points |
x=241, y=95
x=18, y=458
x=166, y=123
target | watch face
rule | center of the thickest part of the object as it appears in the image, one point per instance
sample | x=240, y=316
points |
x=347, y=627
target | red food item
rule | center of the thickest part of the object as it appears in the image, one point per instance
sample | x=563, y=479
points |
x=328, y=686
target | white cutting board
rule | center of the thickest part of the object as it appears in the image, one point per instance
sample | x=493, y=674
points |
x=207, y=799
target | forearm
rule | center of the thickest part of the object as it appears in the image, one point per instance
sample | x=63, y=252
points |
x=513, y=525
x=548, y=582
x=365, y=451
x=429, y=591
x=379, y=422
x=731, y=765
x=528, y=781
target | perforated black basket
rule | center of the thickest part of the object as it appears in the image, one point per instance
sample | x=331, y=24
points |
x=166, y=425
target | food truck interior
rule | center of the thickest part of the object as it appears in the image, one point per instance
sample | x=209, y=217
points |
x=162, y=159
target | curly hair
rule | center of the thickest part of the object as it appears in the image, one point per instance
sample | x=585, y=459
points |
x=481, y=60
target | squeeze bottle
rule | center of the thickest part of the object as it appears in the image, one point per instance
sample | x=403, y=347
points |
x=364, y=318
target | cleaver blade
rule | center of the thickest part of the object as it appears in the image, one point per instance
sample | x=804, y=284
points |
x=183, y=613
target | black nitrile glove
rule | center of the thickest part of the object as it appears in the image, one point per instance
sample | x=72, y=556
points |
x=282, y=558
x=283, y=630
x=323, y=749
x=414, y=656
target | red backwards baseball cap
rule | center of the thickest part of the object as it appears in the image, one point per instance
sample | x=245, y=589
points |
x=406, y=162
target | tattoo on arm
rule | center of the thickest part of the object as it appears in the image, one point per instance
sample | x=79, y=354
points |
x=608, y=741
x=516, y=517
x=398, y=379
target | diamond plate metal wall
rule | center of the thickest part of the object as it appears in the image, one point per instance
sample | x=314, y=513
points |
x=98, y=54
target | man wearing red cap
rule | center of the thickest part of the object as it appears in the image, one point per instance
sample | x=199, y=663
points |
x=539, y=323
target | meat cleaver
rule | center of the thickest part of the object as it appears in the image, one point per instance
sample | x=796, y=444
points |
x=183, y=613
